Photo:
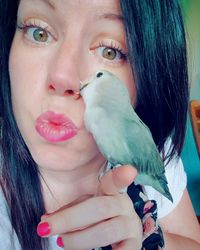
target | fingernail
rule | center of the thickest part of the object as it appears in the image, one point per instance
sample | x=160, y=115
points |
x=43, y=229
x=60, y=242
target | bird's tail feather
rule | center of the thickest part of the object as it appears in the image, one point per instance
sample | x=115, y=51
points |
x=158, y=182
x=161, y=186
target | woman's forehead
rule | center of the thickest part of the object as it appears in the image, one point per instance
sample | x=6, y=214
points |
x=110, y=4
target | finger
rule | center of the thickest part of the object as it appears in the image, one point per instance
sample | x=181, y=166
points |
x=84, y=214
x=115, y=180
x=118, y=229
x=133, y=244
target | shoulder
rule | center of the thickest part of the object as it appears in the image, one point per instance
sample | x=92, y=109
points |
x=177, y=181
x=8, y=237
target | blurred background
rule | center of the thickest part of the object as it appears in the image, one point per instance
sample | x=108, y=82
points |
x=191, y=160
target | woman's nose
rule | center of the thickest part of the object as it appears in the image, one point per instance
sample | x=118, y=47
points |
x=64, y=73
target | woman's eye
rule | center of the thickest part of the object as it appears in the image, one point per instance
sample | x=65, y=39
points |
x=111, y=53
x=38, y=35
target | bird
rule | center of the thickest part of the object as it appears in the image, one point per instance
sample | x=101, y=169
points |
x=121, y=136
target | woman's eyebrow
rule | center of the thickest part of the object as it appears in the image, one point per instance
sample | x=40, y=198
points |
x=111, y=16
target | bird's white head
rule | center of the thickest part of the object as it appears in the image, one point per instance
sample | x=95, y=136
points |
x=92, y=78
x=103, y=86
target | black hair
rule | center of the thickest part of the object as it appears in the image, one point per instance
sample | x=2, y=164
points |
x=157, y=53
x=19, y=174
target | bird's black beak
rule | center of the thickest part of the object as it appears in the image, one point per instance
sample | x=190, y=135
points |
x=83, y=85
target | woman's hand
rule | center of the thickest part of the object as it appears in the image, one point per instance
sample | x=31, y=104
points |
x=106, y=219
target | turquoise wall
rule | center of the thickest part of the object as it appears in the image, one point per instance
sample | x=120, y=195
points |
x=192, y=167
x=190, y=157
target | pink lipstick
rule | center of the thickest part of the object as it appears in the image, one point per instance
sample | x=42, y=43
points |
x=55, y=127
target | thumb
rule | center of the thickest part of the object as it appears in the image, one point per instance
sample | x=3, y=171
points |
x=116, y=179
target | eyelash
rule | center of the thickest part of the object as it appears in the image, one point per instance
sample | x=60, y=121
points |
x=104, y=44
x=34, y=24
x=113, y=45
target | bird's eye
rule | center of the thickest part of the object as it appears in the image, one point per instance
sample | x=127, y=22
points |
x=99, y=74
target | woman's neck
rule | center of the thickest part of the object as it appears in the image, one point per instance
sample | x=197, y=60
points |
x=61, y=188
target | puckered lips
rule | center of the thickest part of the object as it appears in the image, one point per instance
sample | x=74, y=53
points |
x=55, y=127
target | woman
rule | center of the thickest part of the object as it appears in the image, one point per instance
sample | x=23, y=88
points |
x=50, y=163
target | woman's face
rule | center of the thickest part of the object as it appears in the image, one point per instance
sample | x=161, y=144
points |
x=58, y=44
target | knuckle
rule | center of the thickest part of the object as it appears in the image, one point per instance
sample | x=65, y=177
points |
x=105, y=207
x=119, y=229
x=111, y=233
x=124, y=228
x=110, y=206
x=135, y=228
x=129, y=227
x=126, y=204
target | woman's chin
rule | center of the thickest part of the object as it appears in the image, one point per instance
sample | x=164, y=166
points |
x=53, y=161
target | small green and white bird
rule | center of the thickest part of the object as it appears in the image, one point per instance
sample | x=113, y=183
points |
x=120, y=134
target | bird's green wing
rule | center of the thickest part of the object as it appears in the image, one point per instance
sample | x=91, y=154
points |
x=141, y=147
